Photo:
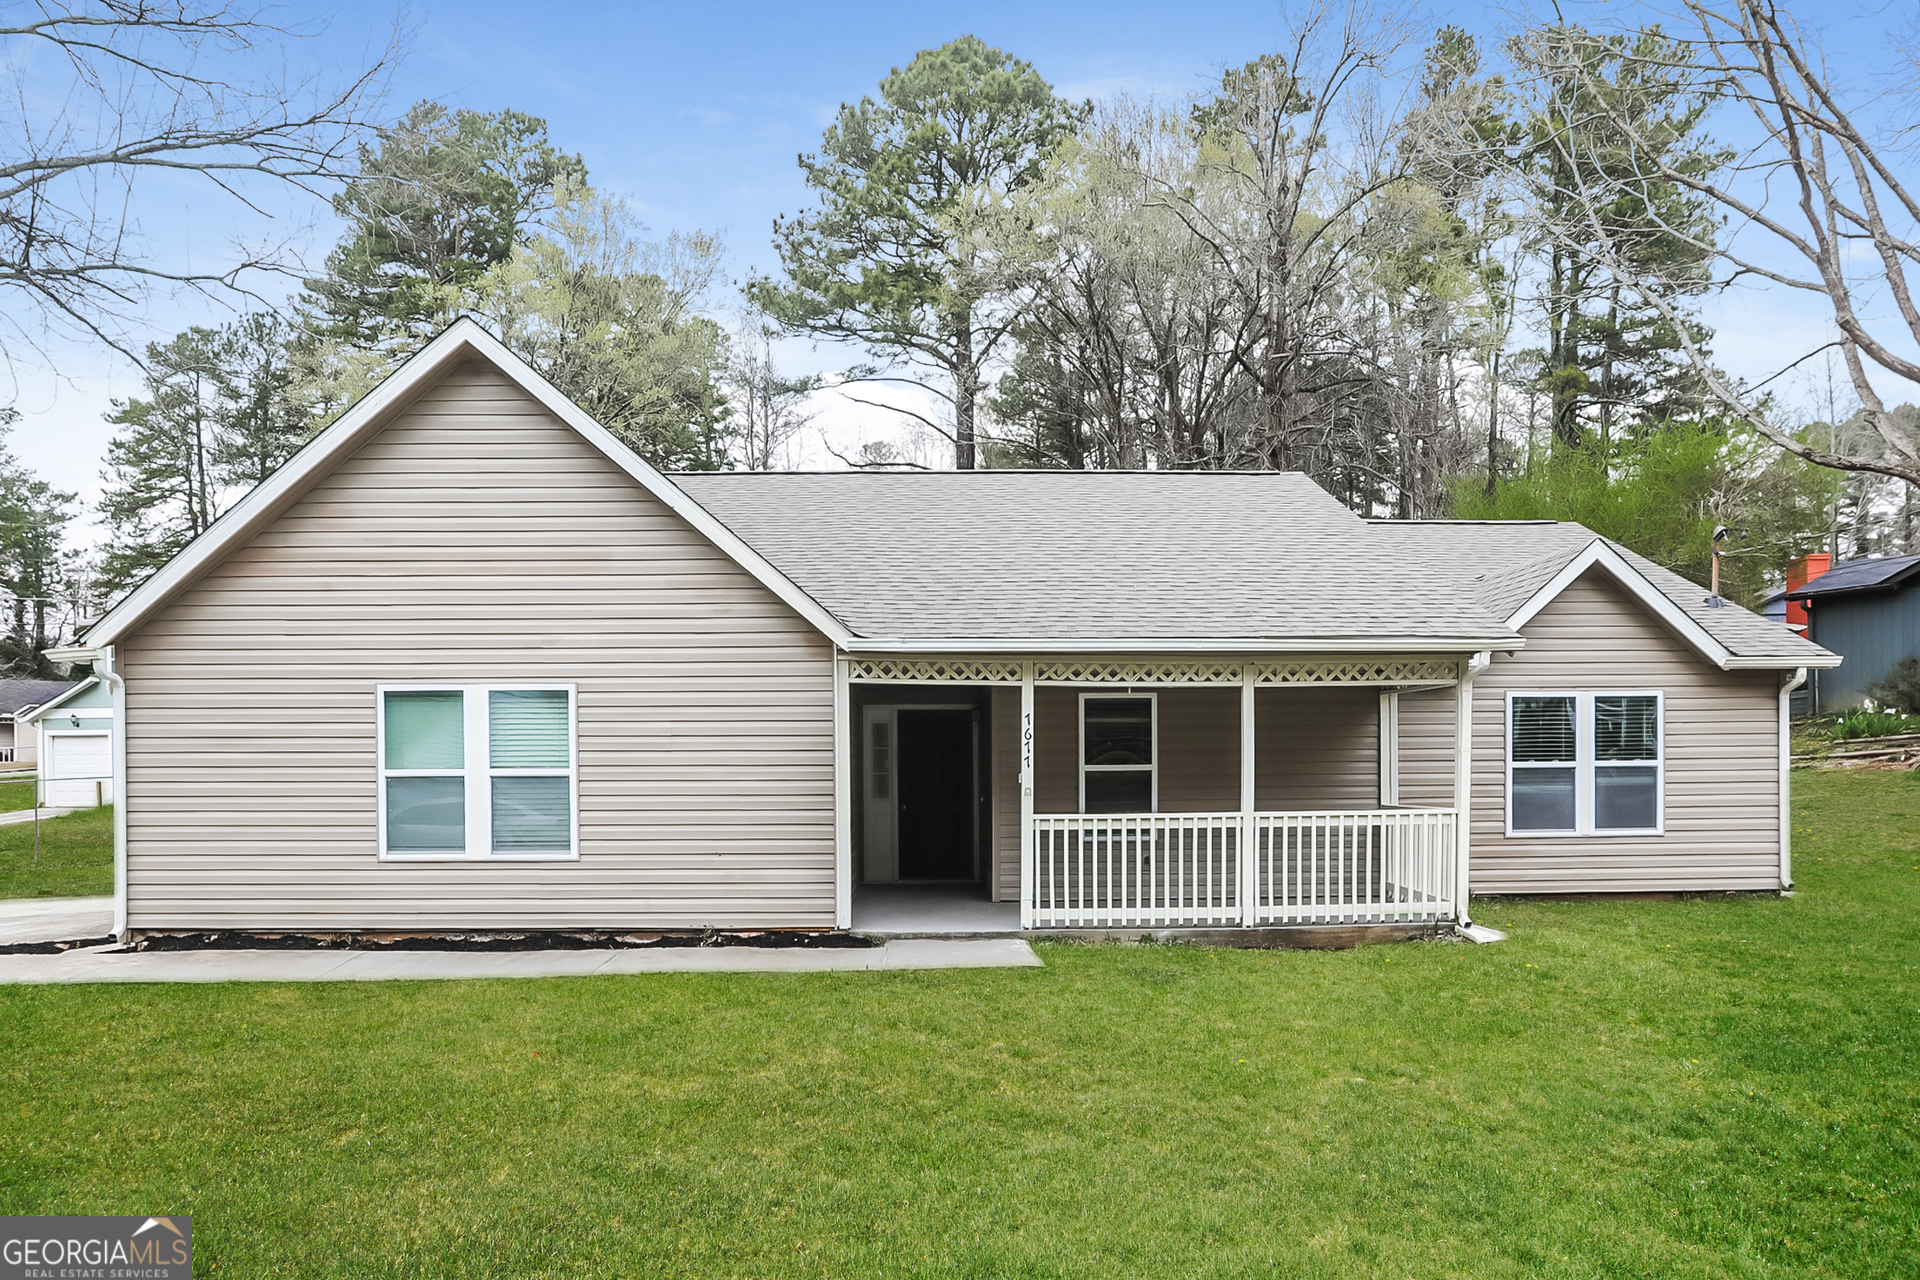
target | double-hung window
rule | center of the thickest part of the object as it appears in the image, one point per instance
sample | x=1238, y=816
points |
x=1585, y=763
x=1118, y=751
x=478, y=771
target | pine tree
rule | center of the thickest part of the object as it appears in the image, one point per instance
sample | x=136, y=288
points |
x=441, y=197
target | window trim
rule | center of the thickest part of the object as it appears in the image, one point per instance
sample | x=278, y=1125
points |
x=477, y=765
x=1080, y=753
x=1584, y=763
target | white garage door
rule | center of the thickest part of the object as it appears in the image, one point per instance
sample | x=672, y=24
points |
x=78, y=770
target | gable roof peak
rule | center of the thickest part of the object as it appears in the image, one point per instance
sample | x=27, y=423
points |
x=466, y=338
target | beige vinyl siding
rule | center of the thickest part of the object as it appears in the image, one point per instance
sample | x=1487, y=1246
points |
x=1200, y=750
x=1313, y=749
x=1722, y=748
x=1316, y=748
x=1056, y=746
x=477, y=539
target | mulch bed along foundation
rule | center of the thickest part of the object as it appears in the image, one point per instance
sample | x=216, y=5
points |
x=493, y=940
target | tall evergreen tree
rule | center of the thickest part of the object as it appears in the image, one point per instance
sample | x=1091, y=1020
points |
x=216, y=420
x=1606, y=103
x=33, y=518
x=441, y=197
x=919, y=237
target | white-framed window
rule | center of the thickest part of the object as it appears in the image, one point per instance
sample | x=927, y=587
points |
x=1119, y=753
x=478, y=771
x=1587, y=763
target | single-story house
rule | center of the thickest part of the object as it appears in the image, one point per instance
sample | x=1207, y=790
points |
x=17, y=698
x=74, y=733
x=1868, y=612
x=468, y=662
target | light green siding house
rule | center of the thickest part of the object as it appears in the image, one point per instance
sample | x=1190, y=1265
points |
x=74, y=735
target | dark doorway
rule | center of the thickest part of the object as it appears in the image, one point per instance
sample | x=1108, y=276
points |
x=936, y=794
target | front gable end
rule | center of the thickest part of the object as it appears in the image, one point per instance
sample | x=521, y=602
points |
x=416, y=395
x=474, y=539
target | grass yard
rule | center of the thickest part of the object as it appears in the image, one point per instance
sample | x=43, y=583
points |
x=76, y=856
x=16, y=795
x=1701, y=1088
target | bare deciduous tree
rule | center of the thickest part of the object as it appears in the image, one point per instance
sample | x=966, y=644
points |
x=1814, y=204
x=111, y=95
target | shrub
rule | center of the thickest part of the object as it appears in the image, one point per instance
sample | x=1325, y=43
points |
x=1900, y=691
x=1863, y=723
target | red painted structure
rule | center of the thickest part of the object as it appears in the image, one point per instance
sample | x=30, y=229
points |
x=1799, y=574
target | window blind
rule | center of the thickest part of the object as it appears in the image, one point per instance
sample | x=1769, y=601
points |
x=1543, y=730
x=1626, y=727
x=527, y=728
x=532, y=815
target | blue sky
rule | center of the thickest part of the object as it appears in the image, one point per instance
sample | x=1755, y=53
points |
x=695, y=112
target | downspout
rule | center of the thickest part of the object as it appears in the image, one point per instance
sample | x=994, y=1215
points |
x=103, y=667
x=1786, y=780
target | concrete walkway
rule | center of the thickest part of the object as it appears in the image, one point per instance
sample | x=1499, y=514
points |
x=54, y=919
x=12, y=816
x=376, y=966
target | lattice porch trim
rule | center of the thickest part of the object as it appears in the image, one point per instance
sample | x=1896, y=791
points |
x=1098, y=671
x=1358, y=671
x=934, y=671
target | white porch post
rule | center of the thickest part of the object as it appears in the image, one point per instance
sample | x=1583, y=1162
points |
x=1389, y=748
x=1249, y=842
x=1463, y=781
x=842, y=796
x=1027, y=884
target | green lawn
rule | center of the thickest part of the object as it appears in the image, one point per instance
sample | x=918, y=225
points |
x=1702, y=1088
x=16, y=795
x=76, y=856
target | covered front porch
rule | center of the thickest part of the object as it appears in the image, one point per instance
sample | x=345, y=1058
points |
x=1152, y=794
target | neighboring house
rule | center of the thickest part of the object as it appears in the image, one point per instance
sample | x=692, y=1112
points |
x=1793, y=615
x=74, y=732
x=467, y=662
x=1867, y=611
x=17, y=697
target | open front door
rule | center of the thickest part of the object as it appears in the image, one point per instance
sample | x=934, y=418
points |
x=921, y=787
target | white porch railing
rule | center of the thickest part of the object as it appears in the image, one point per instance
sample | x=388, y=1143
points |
x=1376, y=866
x=1173, y=870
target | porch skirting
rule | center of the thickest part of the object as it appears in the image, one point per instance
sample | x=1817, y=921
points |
x=1217, y=870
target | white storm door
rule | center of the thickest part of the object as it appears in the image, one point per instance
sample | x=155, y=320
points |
x=78, y=770
x=880, y=797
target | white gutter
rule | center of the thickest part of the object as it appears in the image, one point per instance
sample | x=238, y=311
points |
x=101, y=656
x=1154, y=647
x=1786, y=776
x=103, y=667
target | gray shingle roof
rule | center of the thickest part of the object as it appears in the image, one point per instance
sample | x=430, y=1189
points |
x=17, y=695
x=1093, y=556
x=1858, y=575
x=1187, y=556
x=1507, y=561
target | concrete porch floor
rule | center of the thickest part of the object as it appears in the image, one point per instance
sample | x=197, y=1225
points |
x=932, y=911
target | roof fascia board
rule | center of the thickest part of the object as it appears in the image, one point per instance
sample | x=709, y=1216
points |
x=1599, y=553
x=458, y=340
x=1148, y=648
x=1738, y=663
x=33, y=715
